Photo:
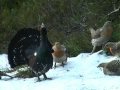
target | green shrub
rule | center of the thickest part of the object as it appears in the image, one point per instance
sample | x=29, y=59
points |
x=78, y=42
x=60, y=17
x=24, y=72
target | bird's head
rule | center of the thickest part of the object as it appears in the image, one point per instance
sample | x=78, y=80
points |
x=107, y=23
x=108, y=26
x=57, y=43
x=109, y=45
x=42, y=29
x=101, y=65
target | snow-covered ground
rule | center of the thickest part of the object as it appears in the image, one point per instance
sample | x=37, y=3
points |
x=80, y=73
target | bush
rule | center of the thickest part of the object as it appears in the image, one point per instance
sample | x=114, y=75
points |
x=78, y=42
x=62, y=17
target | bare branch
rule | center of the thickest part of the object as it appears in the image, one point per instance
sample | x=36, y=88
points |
x=115, y=11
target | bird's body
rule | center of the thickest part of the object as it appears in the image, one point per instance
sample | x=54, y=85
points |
x=59, y=54
x=43, y=60
x=111, y=68
x=32, y=47
x=101, y=36
x=114, y=48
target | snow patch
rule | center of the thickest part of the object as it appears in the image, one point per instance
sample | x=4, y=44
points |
x=80, y=73
x=4, y=65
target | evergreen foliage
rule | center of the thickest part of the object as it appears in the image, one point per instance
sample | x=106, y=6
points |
x=68, y=21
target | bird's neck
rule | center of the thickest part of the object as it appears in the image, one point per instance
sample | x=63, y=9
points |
x=43, y=38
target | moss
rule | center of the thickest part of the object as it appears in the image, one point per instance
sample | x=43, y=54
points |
x=23, y=71
x=25, y=74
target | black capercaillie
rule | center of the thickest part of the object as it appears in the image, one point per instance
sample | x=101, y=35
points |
x=42, y=61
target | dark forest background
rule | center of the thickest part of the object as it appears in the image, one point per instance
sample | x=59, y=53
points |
x=68, y=21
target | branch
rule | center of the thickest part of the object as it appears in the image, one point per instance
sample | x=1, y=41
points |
x=115, y=11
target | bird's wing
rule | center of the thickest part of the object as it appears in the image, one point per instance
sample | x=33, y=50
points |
x=63, y=47
x=107, y=29
x=19, y=43
x=113, y=65
x=95, y=34
x=118, y=45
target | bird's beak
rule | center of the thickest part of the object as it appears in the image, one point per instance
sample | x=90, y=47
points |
x=42, y=25
x=99, y=68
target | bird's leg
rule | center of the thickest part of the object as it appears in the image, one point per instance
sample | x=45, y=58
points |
x=55, y=65
x=94, y=47
x=38, y=77
x=103, y=47
x=62, y=64
x=103, y=50
x=45, y=77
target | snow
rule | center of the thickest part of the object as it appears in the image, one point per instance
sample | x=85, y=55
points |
x=4, y=62
x=80, y=73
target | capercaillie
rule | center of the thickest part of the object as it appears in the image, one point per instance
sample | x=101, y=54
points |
x=114, y=48
x=101, y=36
x=59, y=54
x=111, y=68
